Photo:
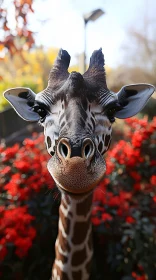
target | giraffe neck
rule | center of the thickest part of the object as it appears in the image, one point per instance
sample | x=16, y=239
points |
x=73, y=246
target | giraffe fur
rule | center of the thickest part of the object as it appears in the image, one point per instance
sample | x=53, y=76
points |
x=77, y=113
x=72, y=259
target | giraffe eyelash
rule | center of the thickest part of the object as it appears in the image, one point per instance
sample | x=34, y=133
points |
x=41, y=111
x=110, y=112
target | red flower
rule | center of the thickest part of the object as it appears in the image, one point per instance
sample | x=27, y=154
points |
x=153, y=162
x=10, y=152
x=99, y=196
x=31, y=232
x=125, y=196
x=110, y=166
x=120, y=212
x=11, y=234
x=135, y=175
x=134, y=274
x=15, y=227
x=2, y=208
x=106, y=217
x=12, y=188
x=96, y=221
x=22, y=166
x=6, y=170
x=139, y=277
x=114, y=201
x=29, y=143
x=97, y=209
x=153, y=180
x=137, y=186
x=154, y=198
x=137, y=139
x=130, y=220
x=23, y=245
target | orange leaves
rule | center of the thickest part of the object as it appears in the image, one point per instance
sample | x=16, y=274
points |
x=22, y=34
x=22, y=2
x=1, y=47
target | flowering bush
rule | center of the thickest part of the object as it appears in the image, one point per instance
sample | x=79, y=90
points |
x=123, y=209
x=124, y=212
x=25, y=210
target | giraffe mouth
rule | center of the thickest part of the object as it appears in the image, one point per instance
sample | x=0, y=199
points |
x=73, y=193
x=73, y=175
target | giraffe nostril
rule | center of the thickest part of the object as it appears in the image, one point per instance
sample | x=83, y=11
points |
x=63, y=149
x=88, y=148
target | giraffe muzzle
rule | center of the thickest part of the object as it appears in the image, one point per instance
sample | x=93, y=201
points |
x=76, y=167
x=66, y=150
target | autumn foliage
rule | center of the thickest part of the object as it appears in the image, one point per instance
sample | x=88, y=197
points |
x=123, y=213
x=20, y=38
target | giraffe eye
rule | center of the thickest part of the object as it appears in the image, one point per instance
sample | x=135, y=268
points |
x=41, y=111
x=111, y=111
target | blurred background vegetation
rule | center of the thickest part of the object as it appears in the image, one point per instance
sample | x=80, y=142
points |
x=31, y=33
x=26, y=62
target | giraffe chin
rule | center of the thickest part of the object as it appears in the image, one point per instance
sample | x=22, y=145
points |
x=75, y=176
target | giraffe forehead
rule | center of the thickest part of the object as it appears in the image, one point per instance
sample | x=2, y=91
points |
x=89, y=117
x=84, y=98
x=90, y=114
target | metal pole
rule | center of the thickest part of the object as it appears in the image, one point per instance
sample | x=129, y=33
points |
x=84, y=58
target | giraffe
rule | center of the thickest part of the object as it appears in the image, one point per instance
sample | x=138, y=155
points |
x=77, y=112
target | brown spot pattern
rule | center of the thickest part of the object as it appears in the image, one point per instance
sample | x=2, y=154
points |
x=67, y=199
x=64, y=204
x=65, y=221
x=63, y=242
x=83, y=207
x=80, y=231
x=61, y=257
x=88, y=267
x=77, y=275
x=62, y=274
x=79, y=257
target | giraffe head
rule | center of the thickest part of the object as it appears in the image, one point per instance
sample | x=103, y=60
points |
x=77, y=112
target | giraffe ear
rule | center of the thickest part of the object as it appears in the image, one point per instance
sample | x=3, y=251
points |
x=132, y=99
x=22, y=100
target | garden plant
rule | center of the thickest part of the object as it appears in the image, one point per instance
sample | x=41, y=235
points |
x=123, y=215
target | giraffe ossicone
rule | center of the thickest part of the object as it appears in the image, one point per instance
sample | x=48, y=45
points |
x=77, y=112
